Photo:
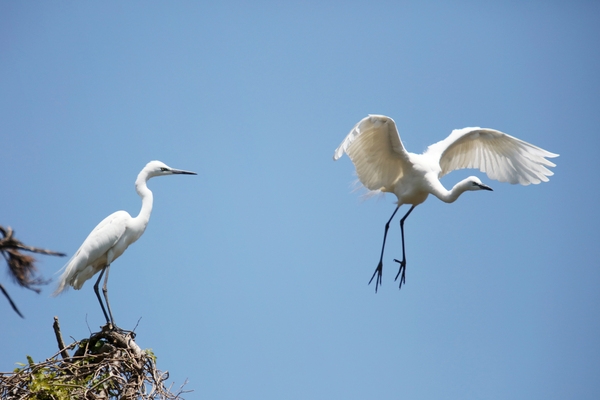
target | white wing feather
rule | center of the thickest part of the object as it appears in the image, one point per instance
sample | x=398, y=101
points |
x=84, y=264
x=375, y=148
x=501, y=156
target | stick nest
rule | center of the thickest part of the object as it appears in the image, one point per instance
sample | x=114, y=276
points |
x=107, y=365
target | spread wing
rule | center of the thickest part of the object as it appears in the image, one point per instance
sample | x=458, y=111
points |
x=104, y=236
x=375, y=148
x=501, y=156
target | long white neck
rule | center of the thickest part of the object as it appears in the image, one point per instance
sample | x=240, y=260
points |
x=146, y=194
x=449, y=196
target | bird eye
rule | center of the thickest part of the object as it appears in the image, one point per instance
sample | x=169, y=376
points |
x=163, y=169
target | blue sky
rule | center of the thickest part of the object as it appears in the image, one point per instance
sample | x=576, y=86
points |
x=251, y=278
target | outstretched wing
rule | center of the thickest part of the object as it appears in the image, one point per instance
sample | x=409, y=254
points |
x=375, y=148
x=501, y=156
x=104, y=236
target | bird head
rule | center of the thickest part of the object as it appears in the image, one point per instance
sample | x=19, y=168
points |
x=158, y=168
x=474, y=183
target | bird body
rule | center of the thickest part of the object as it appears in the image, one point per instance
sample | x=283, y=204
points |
x=111, y=237
x=383, y=164
x=104, y=244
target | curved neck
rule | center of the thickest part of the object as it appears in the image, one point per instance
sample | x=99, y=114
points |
x=448, y=196
x=146, y=195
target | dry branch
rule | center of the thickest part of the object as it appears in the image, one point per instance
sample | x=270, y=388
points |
x=21, y=266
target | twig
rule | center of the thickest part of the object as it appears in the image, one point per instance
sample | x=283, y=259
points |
x=12, y=303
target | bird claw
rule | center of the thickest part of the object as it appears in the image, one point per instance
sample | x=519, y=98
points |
x=401, y=270
x=378, y=272
x=110, y=326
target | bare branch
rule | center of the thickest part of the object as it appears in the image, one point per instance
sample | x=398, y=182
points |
x=12, y=303
x=61, y=344
x=9, y=242
x=21, y=266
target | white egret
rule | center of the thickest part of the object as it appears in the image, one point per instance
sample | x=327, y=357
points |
x=382, y=164
x=111, y=238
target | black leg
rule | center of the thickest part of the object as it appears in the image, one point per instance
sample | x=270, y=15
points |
x=98, y=294
x=105, y=292
x=403, y=262
x=379, y=269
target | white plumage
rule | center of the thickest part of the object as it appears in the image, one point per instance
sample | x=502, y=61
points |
x=93, y=255
x=382, y=163
x=111, y=237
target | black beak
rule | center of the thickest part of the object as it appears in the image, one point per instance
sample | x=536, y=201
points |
x=484, y=187
x=180, y=171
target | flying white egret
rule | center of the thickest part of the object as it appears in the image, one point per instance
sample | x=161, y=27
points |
x=383, y=164
x=111, y=238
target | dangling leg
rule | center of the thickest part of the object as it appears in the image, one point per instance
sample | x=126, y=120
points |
x=105, y=292
x=403, y=262
x=98, y=294
x=379, y=269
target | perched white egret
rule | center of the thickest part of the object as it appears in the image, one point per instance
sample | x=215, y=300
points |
x=111, y=238
x=382, y=164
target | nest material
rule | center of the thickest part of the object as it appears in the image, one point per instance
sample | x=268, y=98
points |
x=107, y=365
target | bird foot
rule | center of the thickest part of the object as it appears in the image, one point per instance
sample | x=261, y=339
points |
x=402, y=271
x=378, y=272
x=111, y=327
x=108, y=327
